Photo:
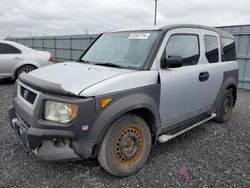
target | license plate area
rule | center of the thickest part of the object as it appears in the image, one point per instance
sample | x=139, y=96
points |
x=20, y=130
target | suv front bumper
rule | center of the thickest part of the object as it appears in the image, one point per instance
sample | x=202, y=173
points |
x=52, y=140
x=42, y=141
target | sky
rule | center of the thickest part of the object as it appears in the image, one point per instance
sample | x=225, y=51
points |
x=63, y=17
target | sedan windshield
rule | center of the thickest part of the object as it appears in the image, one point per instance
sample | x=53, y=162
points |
x=121, y=49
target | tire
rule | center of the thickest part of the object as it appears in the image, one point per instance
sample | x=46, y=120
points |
x=224, y=110
x=125, y=147
x=25, y=68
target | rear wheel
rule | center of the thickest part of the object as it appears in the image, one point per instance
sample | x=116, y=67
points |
x=26, y=69
x=126, y=146
x=224, y=110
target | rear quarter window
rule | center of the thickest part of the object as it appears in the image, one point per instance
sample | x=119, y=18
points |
x=229, y=52
x=8, y=49
x=211, y=48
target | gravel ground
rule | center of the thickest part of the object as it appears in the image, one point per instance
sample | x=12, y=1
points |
x=215, y=155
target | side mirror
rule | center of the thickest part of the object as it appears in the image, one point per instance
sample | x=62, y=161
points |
x=171, y=62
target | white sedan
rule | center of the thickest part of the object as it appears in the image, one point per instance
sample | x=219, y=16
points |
x=16, y=59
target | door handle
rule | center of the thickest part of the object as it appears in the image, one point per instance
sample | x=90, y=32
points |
x=17, y=58
x=203, y=76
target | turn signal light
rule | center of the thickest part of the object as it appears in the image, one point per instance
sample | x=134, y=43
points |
x=105, y=102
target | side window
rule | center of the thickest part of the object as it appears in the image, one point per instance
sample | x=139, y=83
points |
x=8, y=49
x=229, y=52
x=211, y=48
x=185, y=46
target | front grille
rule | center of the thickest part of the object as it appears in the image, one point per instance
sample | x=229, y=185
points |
x=28, y=95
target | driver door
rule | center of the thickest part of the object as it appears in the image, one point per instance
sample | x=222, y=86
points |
x=181, y=87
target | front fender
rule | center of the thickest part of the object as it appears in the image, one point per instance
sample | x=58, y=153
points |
x=123, y=102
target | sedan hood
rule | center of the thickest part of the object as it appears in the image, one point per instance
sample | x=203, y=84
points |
x=70, y=77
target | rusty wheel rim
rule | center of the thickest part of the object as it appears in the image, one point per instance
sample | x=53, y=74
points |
x=129, y=145
x=226, y=105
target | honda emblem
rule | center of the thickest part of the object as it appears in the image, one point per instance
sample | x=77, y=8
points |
x=25, y=94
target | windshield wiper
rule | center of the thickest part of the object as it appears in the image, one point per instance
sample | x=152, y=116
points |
x=82, y=61
x=109, y=65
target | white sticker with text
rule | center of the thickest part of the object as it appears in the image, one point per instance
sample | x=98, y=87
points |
x=138, y=36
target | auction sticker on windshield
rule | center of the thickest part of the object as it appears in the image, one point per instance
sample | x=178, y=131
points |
x=138, y=36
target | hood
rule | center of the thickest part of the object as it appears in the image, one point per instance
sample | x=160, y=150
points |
x=69, y=77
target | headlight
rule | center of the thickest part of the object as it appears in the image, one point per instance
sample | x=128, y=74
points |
x=59, y=112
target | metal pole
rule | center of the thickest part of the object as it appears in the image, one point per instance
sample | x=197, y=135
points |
x=155, y=11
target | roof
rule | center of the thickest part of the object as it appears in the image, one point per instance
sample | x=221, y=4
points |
x=176, y=26
x=219, y=31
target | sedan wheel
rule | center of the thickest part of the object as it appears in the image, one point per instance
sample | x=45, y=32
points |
x=25, y=69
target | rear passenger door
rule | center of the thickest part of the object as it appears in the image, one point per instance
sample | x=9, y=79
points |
x=186, y=91
x=212, y=64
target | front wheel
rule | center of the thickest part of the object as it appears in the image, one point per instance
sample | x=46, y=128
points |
x=125, y=147
x=224, y=110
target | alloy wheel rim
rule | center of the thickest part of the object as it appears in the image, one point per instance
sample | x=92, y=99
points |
x=26, y=70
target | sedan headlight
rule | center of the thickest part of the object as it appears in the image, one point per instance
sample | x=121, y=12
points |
x=60, y=112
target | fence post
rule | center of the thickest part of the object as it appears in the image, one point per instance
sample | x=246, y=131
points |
x=32, y=42
x=70, y=45
x=42, y=43
x=55, y=47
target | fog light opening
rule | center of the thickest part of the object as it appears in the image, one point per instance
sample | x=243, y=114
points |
x=58, y=142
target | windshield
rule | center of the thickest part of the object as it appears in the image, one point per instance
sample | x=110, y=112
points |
x=121, y=49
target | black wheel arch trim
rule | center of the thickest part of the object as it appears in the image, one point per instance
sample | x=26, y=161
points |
x=230, y=79
x=127, y=104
